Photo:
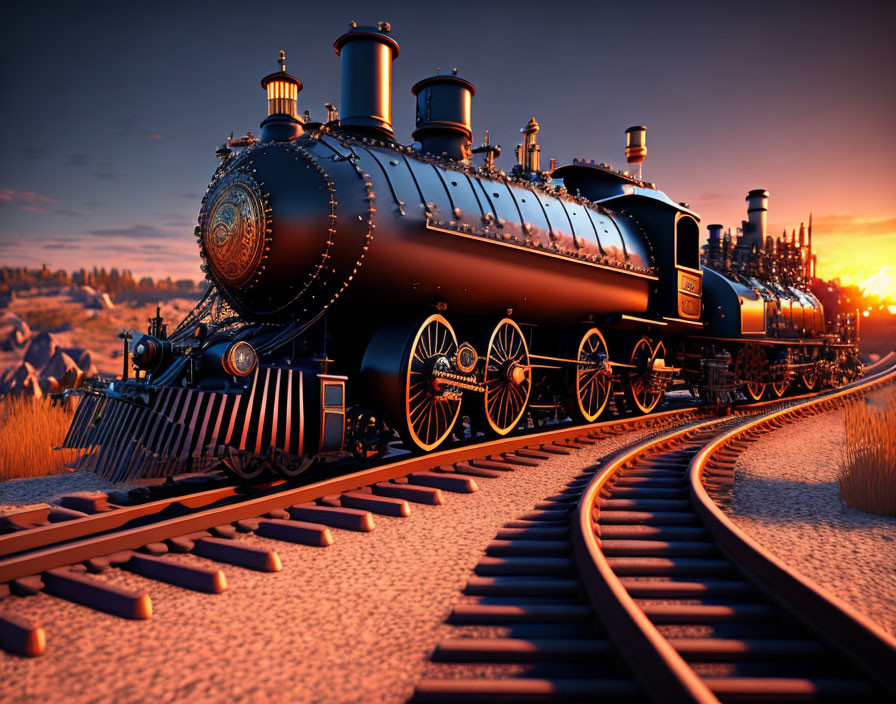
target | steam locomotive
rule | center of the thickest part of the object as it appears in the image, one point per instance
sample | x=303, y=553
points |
x=360, y=288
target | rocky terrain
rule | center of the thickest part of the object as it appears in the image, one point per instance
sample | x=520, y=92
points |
x=58, y=338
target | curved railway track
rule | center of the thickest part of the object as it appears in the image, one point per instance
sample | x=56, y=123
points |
x=60, y=558
x=632, y=584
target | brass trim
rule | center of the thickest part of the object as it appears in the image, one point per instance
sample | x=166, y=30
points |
x=636, y=319
x=682, y=320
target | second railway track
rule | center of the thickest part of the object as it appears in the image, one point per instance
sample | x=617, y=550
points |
x=632, y=584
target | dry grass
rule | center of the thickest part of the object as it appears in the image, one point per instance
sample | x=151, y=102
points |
x=29, y=430
x=868, y=474
x=53, y=319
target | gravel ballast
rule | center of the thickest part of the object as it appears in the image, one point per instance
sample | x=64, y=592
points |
x=787, y=497
x=352, y=622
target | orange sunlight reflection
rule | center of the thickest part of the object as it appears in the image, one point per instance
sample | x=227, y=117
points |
x=880, y=284
x=860, y=251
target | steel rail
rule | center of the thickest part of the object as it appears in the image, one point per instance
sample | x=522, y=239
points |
x=112, y=539
x=661, y=670
x=44, y=537
x=841, y=625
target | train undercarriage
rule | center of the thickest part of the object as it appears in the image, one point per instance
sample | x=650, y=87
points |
x=428, y=380
x=433, y=385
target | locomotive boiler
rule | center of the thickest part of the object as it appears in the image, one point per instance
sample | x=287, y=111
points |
x=361, y=288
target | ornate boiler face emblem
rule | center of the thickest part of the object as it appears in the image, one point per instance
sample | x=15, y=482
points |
x=234, y=235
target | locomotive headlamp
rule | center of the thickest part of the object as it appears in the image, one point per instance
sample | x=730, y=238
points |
x=240, y=359
x=148, y=352
x=282, y=89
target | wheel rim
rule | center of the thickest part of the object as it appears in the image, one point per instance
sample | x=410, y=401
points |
x=243, y=465
x=507, y=377
x=779, y=388
x=288, y=466
x=809, y=380
x=748, y=365
x=639, y=379
x=593, y=380
x=429, y=412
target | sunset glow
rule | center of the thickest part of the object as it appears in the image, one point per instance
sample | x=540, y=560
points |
x=860, y=251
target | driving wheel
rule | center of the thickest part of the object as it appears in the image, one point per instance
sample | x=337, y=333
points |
x=507, y=377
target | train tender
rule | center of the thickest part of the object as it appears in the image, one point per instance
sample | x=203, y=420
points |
x=361, y=288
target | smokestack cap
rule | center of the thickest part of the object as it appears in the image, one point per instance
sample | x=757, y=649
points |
x=379, y=33
x=757, y=199
x=636, y=144
x=443, y=103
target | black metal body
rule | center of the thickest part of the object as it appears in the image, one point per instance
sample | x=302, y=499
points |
x=327, y=244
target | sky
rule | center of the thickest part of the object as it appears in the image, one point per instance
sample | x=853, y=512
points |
x=112, y=111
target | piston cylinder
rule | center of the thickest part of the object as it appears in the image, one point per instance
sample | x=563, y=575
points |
x=366, y=93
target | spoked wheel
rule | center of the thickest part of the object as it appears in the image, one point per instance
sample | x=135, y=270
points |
x=507, y=377
x=245, y=466
x=594, y=380
x=809, y=380
x=750, y=366
x=286, y=465
x=406, y=371
x=778, y=389
x=430, y=408
x=638, y=384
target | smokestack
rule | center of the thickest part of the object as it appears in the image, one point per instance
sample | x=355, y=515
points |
x=636, y=145
x=715, y=233
x=443, y=116
x=757, y=215
x=366, y=93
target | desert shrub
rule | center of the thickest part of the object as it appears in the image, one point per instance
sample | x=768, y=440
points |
x=868, y=472
x=29, y=430
x=53, y=319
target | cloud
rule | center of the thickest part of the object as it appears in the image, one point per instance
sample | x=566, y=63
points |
x=29, y=201
x=132, y=232
x=76, y=160
x=848, y=224
x=713, y=197
x=71, y=212
x=189, y=195
x=158, y=136
x=8, y=195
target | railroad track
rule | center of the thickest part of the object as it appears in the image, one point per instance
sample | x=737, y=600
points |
x=631, y=584
x=67, y=560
